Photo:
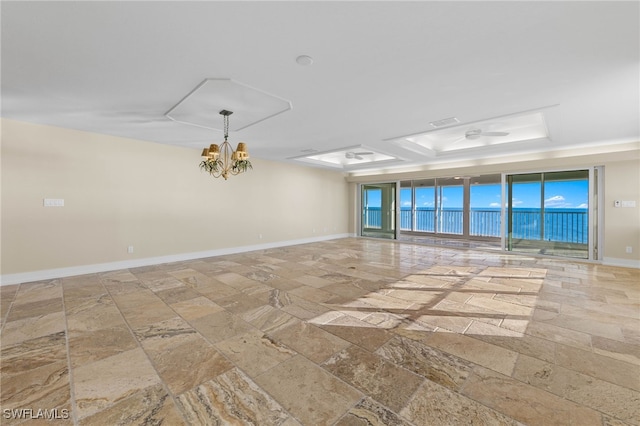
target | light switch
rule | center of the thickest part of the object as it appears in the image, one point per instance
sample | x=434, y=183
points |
x=53, y=202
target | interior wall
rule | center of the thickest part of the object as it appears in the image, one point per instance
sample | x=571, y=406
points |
x=120, y=192
x=621, y=226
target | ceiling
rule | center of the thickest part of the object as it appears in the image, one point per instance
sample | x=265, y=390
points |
x=381, y=72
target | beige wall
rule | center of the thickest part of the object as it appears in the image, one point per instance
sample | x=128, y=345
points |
x=622, y=225
x=621, y=182
x=119, y=192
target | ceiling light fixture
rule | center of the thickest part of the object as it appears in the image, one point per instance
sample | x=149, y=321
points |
x=223, y=160
x=304, y=60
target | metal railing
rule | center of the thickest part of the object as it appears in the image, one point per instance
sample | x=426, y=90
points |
x=561, y=225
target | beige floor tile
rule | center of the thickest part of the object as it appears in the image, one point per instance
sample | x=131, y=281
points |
x=312, y=294
x=302, y=308
x=435, y=404
x=614, y=400
x=370, y=413
x=90, y=314
x=254, y=352
x=196, y=307
x=41, y=290
x=177, y=294
x=235, y=280
x=433, y=364
x=363, y=334
x=308, y=392
x=220, y=326
x=232, y=398
x=444, y=320
x=507, y=308
x=146, y=314
x=382, y=380
x=89, y=346
x=239, y=303
x=164, y=283
x=152, y=405
x=34, y=374
x=269, y=319
x=585, y=324
x=558, y=334
x=108, y=381
x=624, y=351
x=513, y=340
x=14, y=332
x=599, y=366
x=215, y=290
x=525, y=403
x=476, y=351
x=310, y=341
x=37, y=308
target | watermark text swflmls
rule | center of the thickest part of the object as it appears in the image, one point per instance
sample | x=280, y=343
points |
x=35, y=413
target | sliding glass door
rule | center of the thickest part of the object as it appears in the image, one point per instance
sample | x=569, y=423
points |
x=417, y=205
x=548, y=213
x=551, y=213
x=378, y=216
x=459, y=206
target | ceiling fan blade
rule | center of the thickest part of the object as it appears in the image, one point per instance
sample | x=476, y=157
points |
x=357, y=157
x=363, y=153
x=463, y=138
x=494, y=133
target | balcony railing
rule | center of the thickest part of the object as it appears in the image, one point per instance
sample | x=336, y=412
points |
x=560, y=225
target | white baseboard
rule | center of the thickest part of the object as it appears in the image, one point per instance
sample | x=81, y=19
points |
x=627, y=263
x=47, y=274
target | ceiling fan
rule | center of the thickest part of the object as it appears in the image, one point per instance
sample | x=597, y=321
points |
x=357, y=155
x=477, y=133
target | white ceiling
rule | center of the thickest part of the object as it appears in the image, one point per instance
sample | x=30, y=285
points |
x=381, y=70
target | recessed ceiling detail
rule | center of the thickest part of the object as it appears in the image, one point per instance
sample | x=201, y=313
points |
x=201, y=106
x=349, y=157
x=444, y=122
x=487, y=133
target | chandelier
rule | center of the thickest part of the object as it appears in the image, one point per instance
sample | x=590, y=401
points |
x=223, y=160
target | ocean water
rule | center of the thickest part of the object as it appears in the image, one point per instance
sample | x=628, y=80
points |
x=560, y=225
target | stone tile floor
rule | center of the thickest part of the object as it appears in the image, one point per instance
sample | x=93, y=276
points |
x=343, y=332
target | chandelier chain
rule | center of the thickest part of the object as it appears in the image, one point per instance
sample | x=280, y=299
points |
x=226, y=127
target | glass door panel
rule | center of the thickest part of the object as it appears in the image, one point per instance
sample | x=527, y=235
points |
x=450, y=215
x=548, y=213
x=406, y=206
x=524, y=193
x=566, y=213
x=485, y=206
x=371, y=208
x=378, y=210
x=424, y=205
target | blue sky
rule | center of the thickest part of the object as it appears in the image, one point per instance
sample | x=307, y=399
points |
x=558, y=194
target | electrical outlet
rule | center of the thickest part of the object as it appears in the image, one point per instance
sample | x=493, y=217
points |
x=130, y=249
x=629, y=249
